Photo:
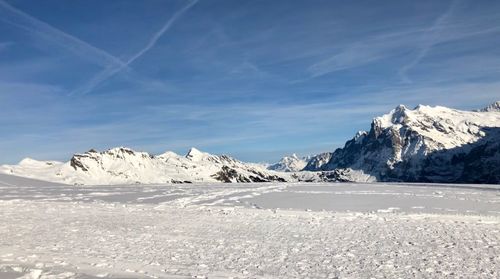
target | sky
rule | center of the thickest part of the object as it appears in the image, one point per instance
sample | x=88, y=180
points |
x=254, y=79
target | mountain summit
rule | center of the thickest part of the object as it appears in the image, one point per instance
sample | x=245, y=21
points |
x=426, y=144
x=493, y=107
x=290, y=164
x=123, y=165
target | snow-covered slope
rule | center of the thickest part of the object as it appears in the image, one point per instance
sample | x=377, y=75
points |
x=493, y=107
x=424, y=144
x=123, y=166
x=290, y=164
x=435, y=144
x=317, y=162
x=17, y=181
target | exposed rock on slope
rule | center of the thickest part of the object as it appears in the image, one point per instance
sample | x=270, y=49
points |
x=124, y=166
x=317, y=162
x=493, y=107
x=426, y=144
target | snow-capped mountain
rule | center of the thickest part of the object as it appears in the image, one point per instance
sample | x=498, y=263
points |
x=124, y=166
x=290, y=164
x=317, y=162
x=493, y=107
x=425, y=144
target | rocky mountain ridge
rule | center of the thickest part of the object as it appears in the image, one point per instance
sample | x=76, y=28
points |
x=425, y=144
x=123, y=165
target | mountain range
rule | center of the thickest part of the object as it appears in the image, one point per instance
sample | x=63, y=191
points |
x=424, y=144
x=122, y=165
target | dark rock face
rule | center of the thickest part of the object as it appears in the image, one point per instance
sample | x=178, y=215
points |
x=337, y=175
x=262, y=177
x=404, y=152
x=478, y=162
x=317, y=162
x=493, y=107
x=77, y=164
x=228, y=175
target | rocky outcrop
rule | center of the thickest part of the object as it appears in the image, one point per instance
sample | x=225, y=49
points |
x=493, y=107
x=317, y=162
x=425, y=144
x=125, y=166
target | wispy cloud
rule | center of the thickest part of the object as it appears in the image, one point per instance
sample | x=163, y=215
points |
x=114, y=69
x=362, y=52
x=431, y=37
x=20, y=19
x=354, y=56
x=160, y=32
x=348, y=55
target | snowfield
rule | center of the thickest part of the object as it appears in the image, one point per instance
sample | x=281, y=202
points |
x=267, y=230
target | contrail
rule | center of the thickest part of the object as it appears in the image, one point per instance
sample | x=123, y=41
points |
x=164, y=29
x=42, y=29
x=432, y=34
x=111, y=71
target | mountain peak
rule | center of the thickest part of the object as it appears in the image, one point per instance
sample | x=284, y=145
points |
x=396, y=116
x=28, y=162
x=195, y=154
x=399, y=114
x=290, y=163
x=492, y=107
x=400, y=107
x=168, y=154
x=360, y=136
x=120, y=150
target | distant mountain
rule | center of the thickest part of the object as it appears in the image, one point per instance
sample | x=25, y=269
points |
x=425, y=144
x=290, y=164
x=124, y=166
x=317, y=162
x=493, y=107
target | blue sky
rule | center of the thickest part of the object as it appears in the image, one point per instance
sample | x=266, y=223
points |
x=253, y=79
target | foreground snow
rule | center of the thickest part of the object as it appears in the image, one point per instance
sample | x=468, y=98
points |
x=237, y=230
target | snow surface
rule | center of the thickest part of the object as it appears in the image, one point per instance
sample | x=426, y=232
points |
x=271, y=230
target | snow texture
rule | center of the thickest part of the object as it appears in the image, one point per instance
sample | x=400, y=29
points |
x=123, y=165
x=424, y=144
x=290, y=164
x=270, y=230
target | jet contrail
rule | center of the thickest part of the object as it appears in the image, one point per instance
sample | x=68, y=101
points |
x=111, y=71
x=432, y=33
x=22, y=20
x=164, y=29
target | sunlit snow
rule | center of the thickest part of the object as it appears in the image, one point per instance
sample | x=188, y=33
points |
x=267, y=230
